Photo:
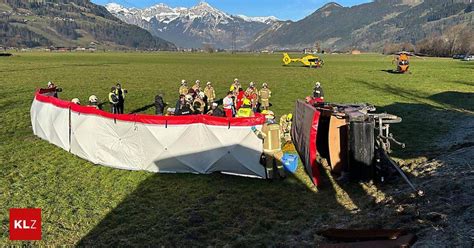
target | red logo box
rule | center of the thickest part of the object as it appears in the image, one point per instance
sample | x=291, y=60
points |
x=25, y=224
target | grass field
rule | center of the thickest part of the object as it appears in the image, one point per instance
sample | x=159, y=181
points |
x=84, y=204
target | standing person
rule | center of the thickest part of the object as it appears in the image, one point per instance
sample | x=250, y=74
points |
x=159, y=104
x=285, y=127
x=121, y=98
x=235, y=86
x=318, y=91
x=252, y=95
x=113, y=100
x=210, y=93
x=183, y=89
x=265, y=94
x=228, y=104
x=272, y=154
x=240, y=99
x=197, y=86
x=54, y=89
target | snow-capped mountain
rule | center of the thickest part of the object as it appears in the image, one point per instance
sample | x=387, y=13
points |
x=195, y=26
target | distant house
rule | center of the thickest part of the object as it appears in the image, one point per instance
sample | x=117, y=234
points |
x=355, y=52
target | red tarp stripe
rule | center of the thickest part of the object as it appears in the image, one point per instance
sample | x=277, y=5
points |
x=313, y=149
x=153, y=119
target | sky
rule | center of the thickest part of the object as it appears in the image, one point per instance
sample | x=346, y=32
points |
x=283, y=9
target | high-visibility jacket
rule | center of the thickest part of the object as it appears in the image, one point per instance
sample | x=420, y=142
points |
x=113, y=98
x=245, y=112
x=117, y=92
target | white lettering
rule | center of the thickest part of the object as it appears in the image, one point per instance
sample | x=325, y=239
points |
x=33, y=223
x=17, y=224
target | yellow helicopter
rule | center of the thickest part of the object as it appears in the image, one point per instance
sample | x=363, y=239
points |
x=308, y=60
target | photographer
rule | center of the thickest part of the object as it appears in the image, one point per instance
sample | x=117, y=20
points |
x=113, y=100
x=120, y=93
x=53, y=90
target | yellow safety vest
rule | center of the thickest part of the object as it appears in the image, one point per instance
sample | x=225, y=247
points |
x=244, y=112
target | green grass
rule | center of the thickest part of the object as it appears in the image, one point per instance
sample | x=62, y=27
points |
x=94, y=205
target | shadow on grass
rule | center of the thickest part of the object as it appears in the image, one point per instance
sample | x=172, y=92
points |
x=392, y=71
x=213, y=210
x=141, y=109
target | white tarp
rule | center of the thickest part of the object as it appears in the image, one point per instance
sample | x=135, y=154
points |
x=50, y=123
x=167, y=148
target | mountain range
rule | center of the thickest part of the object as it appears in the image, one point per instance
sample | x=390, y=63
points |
x=70, y=23
x=195, y=26
x=366, y=26
x=369, y=26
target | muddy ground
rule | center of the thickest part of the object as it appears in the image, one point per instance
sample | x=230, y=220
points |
x=443, y=216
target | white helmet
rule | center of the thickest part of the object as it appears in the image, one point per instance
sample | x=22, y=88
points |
x=209, y=83
x=93, y=99
x=318, y=84
x=183, y=82
x=76, y=101
x=236, y=80
x=188, y=98
x=201, y=95
x=198, y=81
x=50, y=83
x=252, y=84
x=264, y=85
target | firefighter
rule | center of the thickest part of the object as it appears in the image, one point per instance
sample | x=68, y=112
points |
x=318, y=91
x=265, y=94
x=93, y=102
x=272, y=153
x=235, y=87
x=183, y=89
x=210, y=93
x=245, y=110
x=120, y=93
x=199, y=104
x=285, y=127
x=113, y=100
x=239, y=100
x=252, y=94
x=197, y=86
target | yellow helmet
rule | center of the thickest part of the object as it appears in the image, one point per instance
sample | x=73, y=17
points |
x=289, y=117
x=247, y=102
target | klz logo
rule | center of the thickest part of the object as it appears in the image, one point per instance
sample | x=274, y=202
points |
x=25, y=224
